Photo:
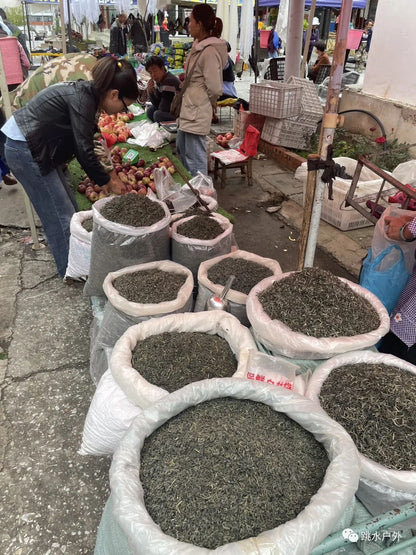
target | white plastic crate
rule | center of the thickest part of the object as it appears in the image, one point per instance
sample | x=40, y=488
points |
x=344, y=217
x=287, y=132
x=275, y=99
x=243, y=119
x=311, y=108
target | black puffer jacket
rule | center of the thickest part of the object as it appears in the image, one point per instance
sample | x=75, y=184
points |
x=59, y=123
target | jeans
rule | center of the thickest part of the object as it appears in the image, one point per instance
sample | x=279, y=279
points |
x=50, y=195
x=158, y=116
x=192, y=150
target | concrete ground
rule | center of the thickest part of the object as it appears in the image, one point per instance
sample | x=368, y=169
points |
x=51, y=498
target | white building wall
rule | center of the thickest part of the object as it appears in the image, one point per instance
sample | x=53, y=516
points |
x=390, y=72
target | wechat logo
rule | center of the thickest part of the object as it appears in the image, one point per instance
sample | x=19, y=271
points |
x=349, y=534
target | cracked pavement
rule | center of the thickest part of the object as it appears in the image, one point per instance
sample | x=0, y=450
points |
x=51, y=498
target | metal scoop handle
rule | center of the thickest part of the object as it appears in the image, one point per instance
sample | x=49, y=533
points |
x=227, y=287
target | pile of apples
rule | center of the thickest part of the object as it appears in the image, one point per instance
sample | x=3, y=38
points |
x=115, y=126
x=138, y=177
x=223, y=140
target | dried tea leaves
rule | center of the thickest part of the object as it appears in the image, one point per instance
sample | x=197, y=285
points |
x=247, y=273
x=376, y=404
x=133, y=210
x=149, y=286
x=87, y=224
x=318, y=304
x=200, y=227
x=171, y=360
x=228, y=469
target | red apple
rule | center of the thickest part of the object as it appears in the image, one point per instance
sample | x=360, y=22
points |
x=82, y=188
x=142, y=191
x=141, y=163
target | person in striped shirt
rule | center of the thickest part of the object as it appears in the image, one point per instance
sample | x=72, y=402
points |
x=401, y=339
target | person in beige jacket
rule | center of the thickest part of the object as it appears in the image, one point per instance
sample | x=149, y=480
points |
x=206, y=59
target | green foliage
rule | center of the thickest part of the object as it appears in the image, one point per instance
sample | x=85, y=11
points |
x=15, y=16
x=386, y=155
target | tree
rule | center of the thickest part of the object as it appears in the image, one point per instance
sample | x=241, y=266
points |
x=15, y=16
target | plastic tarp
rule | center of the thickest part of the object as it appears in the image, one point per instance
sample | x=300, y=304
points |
x=295, y=537
x=281, y=340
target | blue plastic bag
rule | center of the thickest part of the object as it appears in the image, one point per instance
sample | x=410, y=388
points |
x=385, y=276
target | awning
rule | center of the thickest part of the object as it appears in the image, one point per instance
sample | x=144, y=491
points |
x=319, y=3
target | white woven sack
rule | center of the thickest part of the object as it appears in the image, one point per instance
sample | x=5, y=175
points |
x=191, y=252
x=281, y=340
x=116, y=246
x=237, y=300
x=142, y=393
x=120, y=314
x=381, y=488
x=109, y=417
x=79, y=255
x=295, y=537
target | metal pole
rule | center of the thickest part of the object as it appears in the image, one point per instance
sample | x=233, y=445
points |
x=294, y=38
x=256, y=44
x=8, y=112
x=329, y=123
x=307, y=38
x=68, y=4
x=28, y=26
x=62, y=15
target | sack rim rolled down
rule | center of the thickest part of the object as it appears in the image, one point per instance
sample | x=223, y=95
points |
x=141, y=392
x=404, y=480
x=123, y=229
x=295, y=537
x=306, y=346
x=149, y=309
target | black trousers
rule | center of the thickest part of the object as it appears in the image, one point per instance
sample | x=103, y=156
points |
x=392, y=345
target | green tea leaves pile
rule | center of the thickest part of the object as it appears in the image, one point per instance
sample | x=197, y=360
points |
x=247, y=273
x=87, y=224
x=376, y=404
x=228, y=469
x=133, y=210
x=149, y=286
x=200, y=227
x=171, y=360
x=318, y=304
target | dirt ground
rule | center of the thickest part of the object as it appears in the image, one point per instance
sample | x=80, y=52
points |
x=265, y=233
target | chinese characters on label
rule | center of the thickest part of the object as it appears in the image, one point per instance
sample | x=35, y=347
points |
x=281, y=382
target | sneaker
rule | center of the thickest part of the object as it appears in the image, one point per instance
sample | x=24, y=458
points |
x=9, y=180
x=68, y=280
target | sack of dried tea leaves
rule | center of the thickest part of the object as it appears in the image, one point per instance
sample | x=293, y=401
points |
x=120, y=313
x=115, y=245
x=323, y=308
x=376, y=405
x=324, y=513
x=191, y=251
x=214, y=323
x=79, y=245
x=249, y=268
x=133, y=389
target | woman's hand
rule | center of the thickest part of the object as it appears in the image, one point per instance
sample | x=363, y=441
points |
x=394, y=225
x=115, y=185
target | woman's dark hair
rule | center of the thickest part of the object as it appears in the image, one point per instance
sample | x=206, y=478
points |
x=154, y=61
x=320, y=45
x=204, y=14
x=110, y=73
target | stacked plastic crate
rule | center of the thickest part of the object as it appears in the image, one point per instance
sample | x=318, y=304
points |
x=292, y=111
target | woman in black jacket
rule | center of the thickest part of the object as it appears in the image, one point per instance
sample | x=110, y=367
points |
x=60, y=122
